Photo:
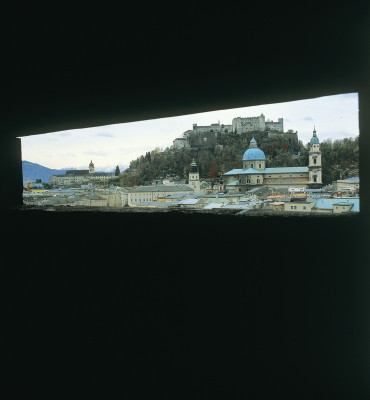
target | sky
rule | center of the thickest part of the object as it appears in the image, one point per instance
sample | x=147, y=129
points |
x=335, y=117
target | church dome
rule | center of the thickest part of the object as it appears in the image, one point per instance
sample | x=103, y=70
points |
x=254, y=154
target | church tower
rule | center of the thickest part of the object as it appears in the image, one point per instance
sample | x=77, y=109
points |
x=314, y=163
x=91, y=167
x=194, y=181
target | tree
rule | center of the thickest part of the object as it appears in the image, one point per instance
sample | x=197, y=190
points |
x=117, y=171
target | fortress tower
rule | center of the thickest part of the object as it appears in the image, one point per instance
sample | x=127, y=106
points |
x=314, y=163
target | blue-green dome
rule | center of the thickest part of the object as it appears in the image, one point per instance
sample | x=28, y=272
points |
x=314, y=139
x=254, y=154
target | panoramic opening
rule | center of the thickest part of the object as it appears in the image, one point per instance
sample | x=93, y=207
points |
x=300, y=156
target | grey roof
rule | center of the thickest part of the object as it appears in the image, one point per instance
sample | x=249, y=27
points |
x=162, y=204
x=76, y=172
x=188, y=201
x=176, y=196
x=179, y=188
x=327, y=204
x=278, y=170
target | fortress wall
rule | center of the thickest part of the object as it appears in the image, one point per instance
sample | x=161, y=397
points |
x=276, y=126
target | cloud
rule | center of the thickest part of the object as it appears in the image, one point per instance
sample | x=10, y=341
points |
x=308, y=119
x=64, y=134
x=96, y=153
x=105, y=134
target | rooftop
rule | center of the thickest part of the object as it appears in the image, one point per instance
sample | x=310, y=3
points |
x=327, y=204
x=162, y=188
x=277, y=170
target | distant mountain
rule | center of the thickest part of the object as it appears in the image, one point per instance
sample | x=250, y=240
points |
x=33, y=171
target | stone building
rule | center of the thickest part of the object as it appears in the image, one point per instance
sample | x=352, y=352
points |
x=251, y=124
x=347, y=185
x=181, y=143
x=254, y=172
x=80, y=176
x=219, y=128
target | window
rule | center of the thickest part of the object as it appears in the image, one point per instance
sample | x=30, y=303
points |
x=304, y=207
x=314, y=160
x=259, y=165
x=258, y=181
x=295, y=207
x=291, y=207
x=251, y=165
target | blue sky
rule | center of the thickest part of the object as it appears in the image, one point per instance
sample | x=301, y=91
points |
x=335, y=117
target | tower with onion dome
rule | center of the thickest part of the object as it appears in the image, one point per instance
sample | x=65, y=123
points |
x=194, y=181
x=314, y=163
x=91, y=167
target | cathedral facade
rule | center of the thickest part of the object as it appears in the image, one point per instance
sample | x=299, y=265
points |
x=254, y=172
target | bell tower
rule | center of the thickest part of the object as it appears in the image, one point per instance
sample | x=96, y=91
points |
x=314, y=163
x=194, y=181
x=91, y=167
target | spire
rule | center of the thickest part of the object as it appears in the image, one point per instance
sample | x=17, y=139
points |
x=314, y=130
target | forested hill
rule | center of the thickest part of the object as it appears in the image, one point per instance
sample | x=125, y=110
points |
x=338, y=156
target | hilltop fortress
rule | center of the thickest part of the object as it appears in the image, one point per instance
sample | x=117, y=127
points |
x=206, y=136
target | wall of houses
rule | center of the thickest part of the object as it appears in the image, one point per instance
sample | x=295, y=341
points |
x=296, y=206
x=135, y=197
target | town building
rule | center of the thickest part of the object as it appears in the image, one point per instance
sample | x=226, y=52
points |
x=347, y=185
x=153, y=193
x=254, y=172
x=80, y=176
x=335, y=206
